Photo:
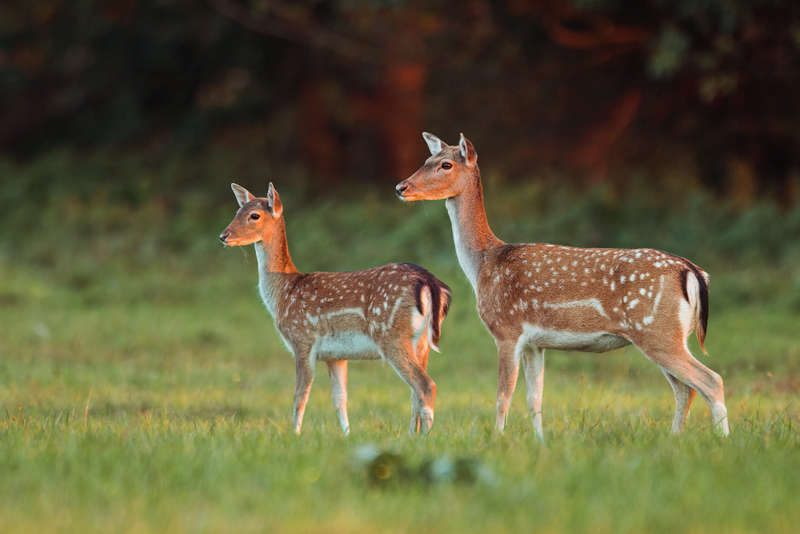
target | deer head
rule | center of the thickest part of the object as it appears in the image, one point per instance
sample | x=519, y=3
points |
x=256, y=220
x=445, y=174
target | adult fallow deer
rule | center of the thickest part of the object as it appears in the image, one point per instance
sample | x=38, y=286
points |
x=539, y=296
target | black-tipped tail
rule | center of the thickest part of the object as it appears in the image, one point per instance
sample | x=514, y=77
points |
x=703, y=330
x=702, y=282
x=441, y=297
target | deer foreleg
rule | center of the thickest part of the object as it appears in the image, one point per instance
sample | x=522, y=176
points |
x=533, y=365
x=303, y=380
x=508, y=369
x=337, y=370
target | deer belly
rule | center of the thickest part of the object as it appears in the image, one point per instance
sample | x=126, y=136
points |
x=346, y=346
x=570, y=340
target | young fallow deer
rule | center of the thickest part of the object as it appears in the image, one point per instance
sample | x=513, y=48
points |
x=536, y=296
x=393, y=312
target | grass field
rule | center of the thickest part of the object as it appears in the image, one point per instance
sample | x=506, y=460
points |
x=143, y=388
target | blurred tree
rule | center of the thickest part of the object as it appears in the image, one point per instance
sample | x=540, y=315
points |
x=345, y=87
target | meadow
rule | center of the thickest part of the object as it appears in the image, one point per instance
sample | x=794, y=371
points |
x=143, y=387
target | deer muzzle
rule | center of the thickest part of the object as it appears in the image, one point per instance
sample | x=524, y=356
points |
x=400, y=189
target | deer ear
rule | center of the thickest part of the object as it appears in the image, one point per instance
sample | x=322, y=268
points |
x=274, y=202
x=434, y=143
x=468, y=153
x=242, y=195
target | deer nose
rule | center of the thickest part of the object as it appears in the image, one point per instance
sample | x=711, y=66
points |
x=224, y=236
x=401, y=188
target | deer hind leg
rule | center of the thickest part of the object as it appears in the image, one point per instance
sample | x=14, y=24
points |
x=407, y=364
x=508, y=358
x=416, y=400
x=416, y=408
x=684, y=395
x=713, y=391
x=679, y=362
x=427, y=399
x=303, y=380
x=337, y=370
x=533, y=366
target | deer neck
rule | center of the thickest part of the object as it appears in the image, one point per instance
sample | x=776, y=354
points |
x=471, y=232
x=275, y=268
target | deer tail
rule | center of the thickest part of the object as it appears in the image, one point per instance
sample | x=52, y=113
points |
x=440, y=296
x=695, y=289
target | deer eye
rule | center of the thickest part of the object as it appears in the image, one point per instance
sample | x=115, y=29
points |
x=255, y=216
x=447, y=165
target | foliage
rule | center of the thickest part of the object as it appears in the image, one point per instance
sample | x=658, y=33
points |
x=344, y=88
x=126, y=209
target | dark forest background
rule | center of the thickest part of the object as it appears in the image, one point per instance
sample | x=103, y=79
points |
x=699, y=92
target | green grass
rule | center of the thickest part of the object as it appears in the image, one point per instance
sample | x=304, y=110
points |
x=143, y=388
